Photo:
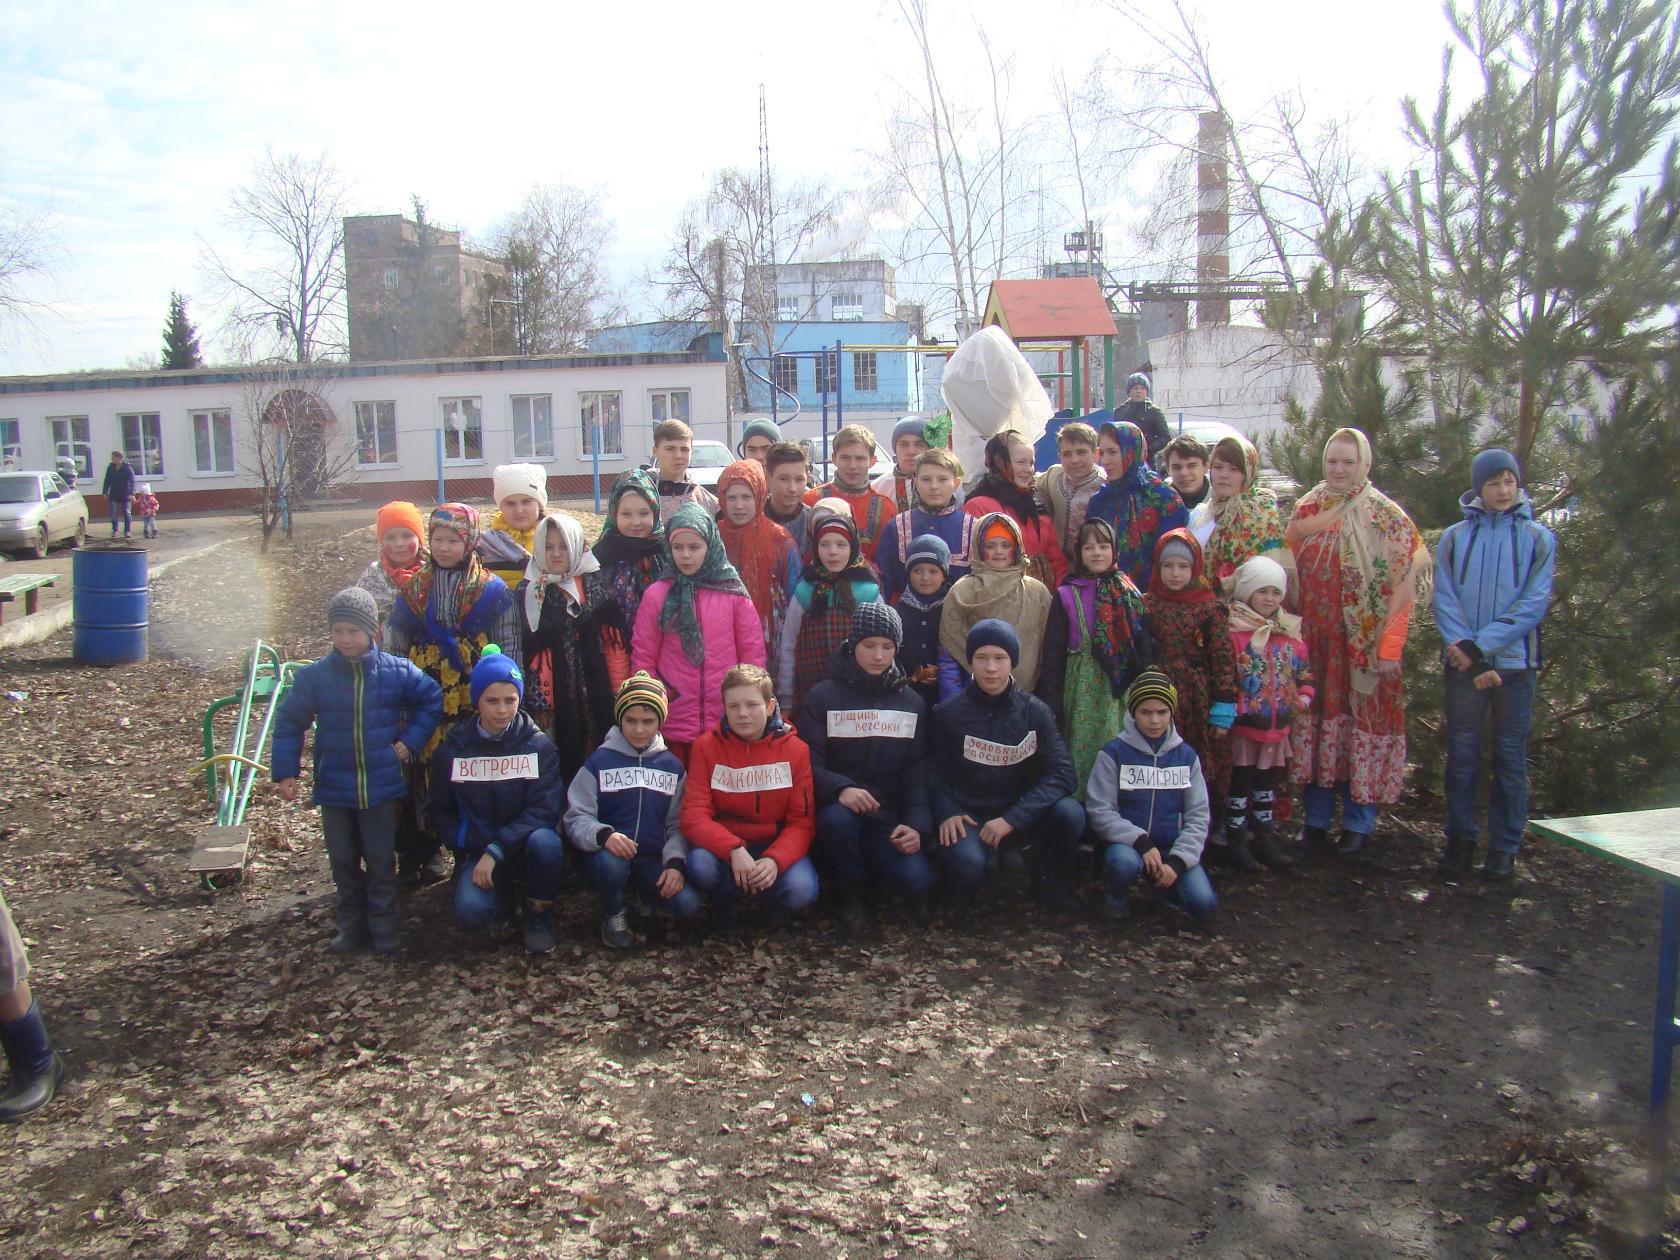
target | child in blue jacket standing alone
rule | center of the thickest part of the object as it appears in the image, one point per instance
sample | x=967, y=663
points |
x=1493, y=584
x=1147, y=800
x=372, y=712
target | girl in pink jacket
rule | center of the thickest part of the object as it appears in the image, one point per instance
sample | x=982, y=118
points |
x=695, y=624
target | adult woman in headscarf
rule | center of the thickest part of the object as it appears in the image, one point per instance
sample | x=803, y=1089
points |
x=1138, y=503
x=1239, y=519
x=1359, y=560
x=1008, y=486
x=575, y=654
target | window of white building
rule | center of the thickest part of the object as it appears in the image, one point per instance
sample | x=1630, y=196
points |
x=602, y=411
x=533, y=426
x=463, y=429
x=376, y=433
x=212, y=442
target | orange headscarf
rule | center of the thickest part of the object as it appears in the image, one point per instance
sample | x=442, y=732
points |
x=762, y=552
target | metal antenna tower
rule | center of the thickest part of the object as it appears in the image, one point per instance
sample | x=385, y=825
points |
x=765, y=200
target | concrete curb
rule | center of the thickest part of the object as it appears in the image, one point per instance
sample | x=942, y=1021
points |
x=44, y=625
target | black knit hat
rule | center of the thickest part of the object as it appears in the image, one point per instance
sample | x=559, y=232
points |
x=876, y=621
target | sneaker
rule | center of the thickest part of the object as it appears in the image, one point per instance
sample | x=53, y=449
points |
x=615, y=932
x=440, y=866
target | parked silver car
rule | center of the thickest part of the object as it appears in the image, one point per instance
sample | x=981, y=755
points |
x=37, y=510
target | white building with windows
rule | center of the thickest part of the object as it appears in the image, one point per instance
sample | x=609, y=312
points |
x=394, y=426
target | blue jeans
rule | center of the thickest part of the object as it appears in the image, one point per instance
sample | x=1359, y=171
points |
x=1054, y=839
x=538, y=872
x=611, y=875
x=1191, y=892
x=119, y=509
x=855, y=847
x=794, y=889
x=1512, y=706
x=1318, y=804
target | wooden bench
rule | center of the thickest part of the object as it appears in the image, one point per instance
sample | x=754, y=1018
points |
x=29, y=586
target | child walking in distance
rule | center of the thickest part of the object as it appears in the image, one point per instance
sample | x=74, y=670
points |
x=1493, y=585
x=1190, y=634
x=398, y=529
x=1274, y=686
x=1148, y=803
x=506, y=544
x=747, y=806
x=673, y=448
x=495, y=797
x=834, y=583
x=919, y=606
x=37, y=1070
x=623, y=814
x=373, y=713
x=868, y=734
x=937, y=512
x=853, y=450
x=1095, y=643
x=146, y=508
x=695, y=622
x=999, y=772
x=999, y=587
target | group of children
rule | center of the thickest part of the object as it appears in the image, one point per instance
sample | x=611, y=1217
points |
x=742, y=697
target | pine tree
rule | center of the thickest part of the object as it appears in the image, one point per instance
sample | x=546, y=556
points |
x=180, y=337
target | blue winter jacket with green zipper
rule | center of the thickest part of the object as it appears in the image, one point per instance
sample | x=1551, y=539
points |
x=360, y=707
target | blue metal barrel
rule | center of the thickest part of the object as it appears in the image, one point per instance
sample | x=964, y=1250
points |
x=109, y=601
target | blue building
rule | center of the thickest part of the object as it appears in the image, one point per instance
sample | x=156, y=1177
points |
x=871, y=382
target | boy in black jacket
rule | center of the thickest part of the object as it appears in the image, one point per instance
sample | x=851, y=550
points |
x=927, y=566
x=867, y=731
x=1000, y=771
x=495, y=796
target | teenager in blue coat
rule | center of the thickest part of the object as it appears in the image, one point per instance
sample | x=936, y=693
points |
x=1493, y=585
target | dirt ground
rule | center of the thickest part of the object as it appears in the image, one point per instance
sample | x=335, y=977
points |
x=1353, y=1061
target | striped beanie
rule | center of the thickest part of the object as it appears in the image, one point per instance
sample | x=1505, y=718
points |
x=1152, y=684
x=644, y=689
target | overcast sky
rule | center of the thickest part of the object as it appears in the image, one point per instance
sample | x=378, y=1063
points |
x=130, y=124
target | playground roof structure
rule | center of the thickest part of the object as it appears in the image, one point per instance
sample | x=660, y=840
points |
x=1049, y=310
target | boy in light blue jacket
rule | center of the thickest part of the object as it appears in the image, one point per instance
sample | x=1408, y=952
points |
x=1493, y=585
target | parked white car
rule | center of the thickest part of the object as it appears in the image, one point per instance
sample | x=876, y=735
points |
x=708, y=462
x=1208, y=432
x=37, y=510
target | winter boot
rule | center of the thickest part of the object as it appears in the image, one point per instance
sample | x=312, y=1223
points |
x=1314, y=840
x=352, y=938
x=615, y=932
x=36, y=1067
x=1499, y=866
x=850, y=912
x=1456, y=859
x=1237, y=853
x=1266, y=846
x=1350, y=843
x=539, y=927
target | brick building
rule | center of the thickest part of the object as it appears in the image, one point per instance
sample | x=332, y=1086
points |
x=413, y=292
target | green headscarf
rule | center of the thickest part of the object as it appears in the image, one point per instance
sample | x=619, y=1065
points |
x=680, y=612
x=613, y=547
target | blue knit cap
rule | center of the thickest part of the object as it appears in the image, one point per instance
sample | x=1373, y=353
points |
x=494, y=668
x=927, y=549
x=1488, y=463
x=1138, y=378
x=910, y=426
x=993, y=632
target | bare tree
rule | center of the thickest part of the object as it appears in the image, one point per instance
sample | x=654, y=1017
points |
x=288, y=288
x=553, y=247
x=294, y=447
x=25, y=261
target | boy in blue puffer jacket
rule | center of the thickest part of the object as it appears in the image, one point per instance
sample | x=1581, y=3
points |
x=1493, y=584
x=372, y=713
x=495, y=798
x=1146, y=799
x=622, y=810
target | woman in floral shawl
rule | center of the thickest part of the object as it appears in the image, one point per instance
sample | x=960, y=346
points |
x=1095, y=643
x=762, y=552
x=630, y=551
x=1000, y=586
x=1239, y=519
x=575, y=656
x=1359, y=560
x=1138, y=503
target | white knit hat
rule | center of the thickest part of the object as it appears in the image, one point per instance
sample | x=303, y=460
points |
x=1257, y=573
x=511, y=479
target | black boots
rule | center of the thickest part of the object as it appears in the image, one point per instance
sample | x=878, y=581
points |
x=1455, y=861
x=36, y=1067
x=1236, y=851
x=1499, y=866
x=1267, y=848
x=1314, y=840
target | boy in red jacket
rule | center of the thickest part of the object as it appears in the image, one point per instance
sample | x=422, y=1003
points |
x=747, y=809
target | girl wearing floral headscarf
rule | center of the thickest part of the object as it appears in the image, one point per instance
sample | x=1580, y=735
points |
x=446, y=612
x=762, y=552
x=1359, y=559
x=1189, y=631
x=575, y=657
x=1138, y=503
x=1239, y=519
x=1095, y=643
x=836, y=579
x=695, y=624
